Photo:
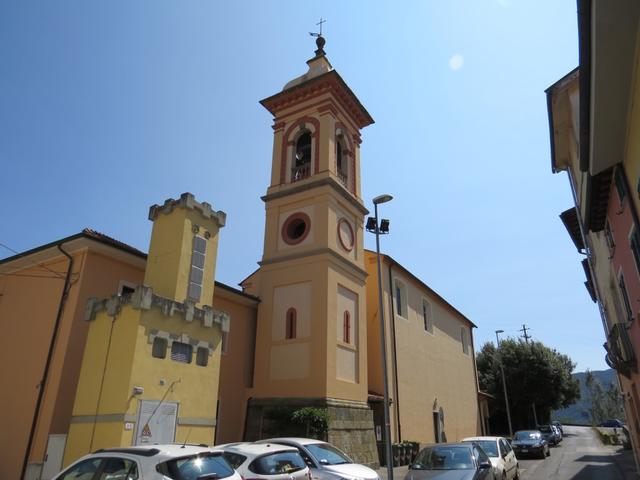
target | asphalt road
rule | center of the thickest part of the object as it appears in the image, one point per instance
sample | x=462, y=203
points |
x=580, y=456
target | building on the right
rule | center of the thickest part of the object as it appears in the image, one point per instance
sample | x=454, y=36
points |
x=594, y=125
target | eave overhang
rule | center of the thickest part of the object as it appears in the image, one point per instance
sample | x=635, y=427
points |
x=327, y=82
x=556, y=126
x=608, y=33
x=570, y=220
x=597, y=200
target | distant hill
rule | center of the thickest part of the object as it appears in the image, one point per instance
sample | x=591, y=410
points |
x=578, y=412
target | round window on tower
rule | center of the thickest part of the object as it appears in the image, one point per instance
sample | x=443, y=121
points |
x=296, y=228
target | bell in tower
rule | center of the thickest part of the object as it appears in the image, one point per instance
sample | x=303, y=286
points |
x=311, y=330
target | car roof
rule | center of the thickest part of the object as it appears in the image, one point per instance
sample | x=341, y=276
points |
x=450, y=444
x=478, y=439
x=299, y=440
x=159, y=453
x=255, y=448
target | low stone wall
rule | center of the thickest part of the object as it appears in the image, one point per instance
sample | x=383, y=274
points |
x=351, y=427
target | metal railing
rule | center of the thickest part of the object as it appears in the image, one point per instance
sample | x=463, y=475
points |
x=301, y=172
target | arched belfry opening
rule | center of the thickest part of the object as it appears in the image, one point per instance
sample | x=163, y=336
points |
x=342, y=162
x=302, y=157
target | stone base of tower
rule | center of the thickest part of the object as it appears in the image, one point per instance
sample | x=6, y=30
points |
x=351, y=427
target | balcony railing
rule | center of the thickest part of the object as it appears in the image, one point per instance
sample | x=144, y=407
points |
x=621, y=354
x=343, y=178
x=300, y=172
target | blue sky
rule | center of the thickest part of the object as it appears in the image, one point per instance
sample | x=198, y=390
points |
x=109, y=107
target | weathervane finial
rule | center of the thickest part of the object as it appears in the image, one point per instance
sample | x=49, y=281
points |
x=320, y=41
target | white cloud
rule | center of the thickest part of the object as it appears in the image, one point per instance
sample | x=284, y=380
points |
x=456, y=62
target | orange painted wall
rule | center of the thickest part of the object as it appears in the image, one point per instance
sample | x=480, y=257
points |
x=236, y=368
x=28, y=308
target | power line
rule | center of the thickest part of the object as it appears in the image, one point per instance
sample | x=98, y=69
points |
x=57, y=274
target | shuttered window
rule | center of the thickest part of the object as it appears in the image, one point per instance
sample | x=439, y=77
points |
x=181, y=352
x=202, y=356
x=196, y=274
x=159, y=349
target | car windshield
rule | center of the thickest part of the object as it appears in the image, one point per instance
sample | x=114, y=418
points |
x=326, y=454
x=277, y=463
x=490, y=447
x=196, y=466
x=527, y=435
x=443, y=458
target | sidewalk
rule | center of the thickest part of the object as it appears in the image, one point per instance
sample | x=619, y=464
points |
x=400, y=472
x=625, y=463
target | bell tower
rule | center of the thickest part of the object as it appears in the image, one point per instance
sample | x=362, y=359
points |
x=311, y=334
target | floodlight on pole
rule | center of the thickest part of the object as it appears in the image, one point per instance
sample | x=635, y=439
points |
x=504, y=382
x=379, y=228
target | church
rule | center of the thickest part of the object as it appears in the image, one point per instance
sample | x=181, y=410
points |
x=130, y=348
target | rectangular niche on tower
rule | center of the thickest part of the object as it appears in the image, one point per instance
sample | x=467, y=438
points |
x=347, y=335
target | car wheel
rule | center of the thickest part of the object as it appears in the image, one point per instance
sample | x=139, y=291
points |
x=548, y=452
x=517, y=475
x=542, y=454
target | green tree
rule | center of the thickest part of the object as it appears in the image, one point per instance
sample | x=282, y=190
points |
x=535, y=375
x=603, y=403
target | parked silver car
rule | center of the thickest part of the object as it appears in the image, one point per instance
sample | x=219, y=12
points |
x=326, y=461
x=451, y=461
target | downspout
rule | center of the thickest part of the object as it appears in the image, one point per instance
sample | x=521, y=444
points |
x=47, y=366
x=475, y=372
x=395, y=353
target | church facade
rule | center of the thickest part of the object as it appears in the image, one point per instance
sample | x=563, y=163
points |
x=235, y=364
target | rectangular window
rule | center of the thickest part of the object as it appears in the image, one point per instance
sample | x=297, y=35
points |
x=159, y=349
x=608, y=235
x=401, y=299
x=202, y=356
x=196, y=275
x=463, y=339
x=620, y=184
x=625, y=297
x=634, y=242
x=426, y=316
x=181, y=352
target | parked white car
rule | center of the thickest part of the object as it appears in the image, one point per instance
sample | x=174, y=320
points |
x=503, y=459
x=157, y=462
x=326, y=461
x=268, y=461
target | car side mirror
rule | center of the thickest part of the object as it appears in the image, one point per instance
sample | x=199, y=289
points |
x=324, y=461
x=485, y=465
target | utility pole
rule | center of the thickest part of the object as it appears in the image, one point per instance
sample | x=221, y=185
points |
x=524, y=333
x=504, y=383
x=526, y=336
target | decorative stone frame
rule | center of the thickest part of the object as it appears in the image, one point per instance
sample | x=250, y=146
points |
x=289, y=139
x=343, y=137
x=290, y=219
x=344, y=221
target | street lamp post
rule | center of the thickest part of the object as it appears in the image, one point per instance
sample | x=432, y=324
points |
x=378, y=228
x=504, y=383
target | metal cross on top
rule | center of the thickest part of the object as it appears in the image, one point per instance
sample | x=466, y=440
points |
x=320, y=33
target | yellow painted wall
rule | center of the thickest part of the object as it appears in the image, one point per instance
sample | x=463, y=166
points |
x=430, y=366
x=632, y=156
x=169, y=261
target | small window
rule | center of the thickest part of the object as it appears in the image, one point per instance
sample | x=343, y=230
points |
x=203, y=464
x=234, y=459
x=620, y=184
x=181, y=352
x=463, y=339
x=634, y=242
x=159, y=349
x=426, y=316
x=346, y=327
x=401, y=299
x=291, y=324
x=202, y=356
x=303, y=149
x=625, y=297
x=608, y=235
